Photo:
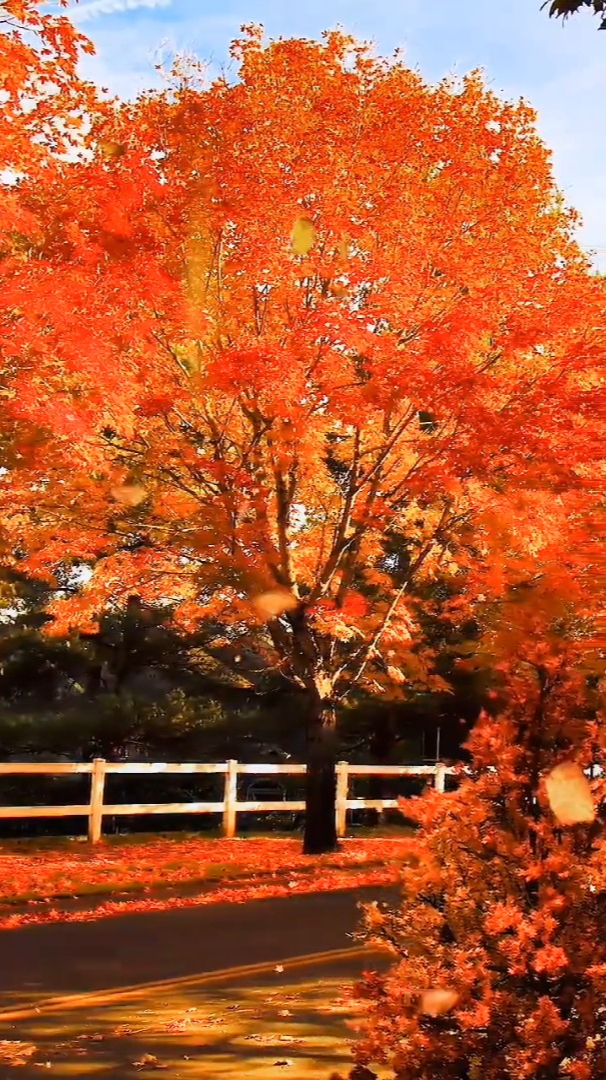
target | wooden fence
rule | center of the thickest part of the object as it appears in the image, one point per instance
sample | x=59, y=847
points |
x=229, y=806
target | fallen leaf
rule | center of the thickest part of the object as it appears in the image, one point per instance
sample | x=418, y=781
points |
x=178, y=1025
x=149, y=1061
x=15, y=1052
x=569, y=794
x=438, y=1002
x=256, y=861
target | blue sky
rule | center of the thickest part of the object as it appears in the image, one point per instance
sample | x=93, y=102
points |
x=559, y=68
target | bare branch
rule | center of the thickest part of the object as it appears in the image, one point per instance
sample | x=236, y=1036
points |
x=367, y=650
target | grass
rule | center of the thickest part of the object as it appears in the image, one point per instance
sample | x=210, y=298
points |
x=163, y=870
x=36, y=844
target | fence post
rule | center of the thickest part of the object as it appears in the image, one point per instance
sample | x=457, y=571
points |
x=230, y=796
x=97, y=786
x=341, y=797
x=440, y=777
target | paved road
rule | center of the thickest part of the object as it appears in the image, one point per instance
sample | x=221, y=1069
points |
x=58, y=959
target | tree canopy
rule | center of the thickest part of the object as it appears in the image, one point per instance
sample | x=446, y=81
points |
x=284, y=347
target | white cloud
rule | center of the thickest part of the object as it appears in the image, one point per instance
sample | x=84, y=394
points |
x=128, y=49
x=84, y=12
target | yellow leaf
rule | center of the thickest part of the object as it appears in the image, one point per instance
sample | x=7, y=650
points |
x=438, y=1002
x=569, y=794
x=303, y=236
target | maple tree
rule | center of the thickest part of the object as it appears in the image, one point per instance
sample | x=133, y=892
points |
x=44, y=110
x=45, y=105
x=288, y=345
x=500, y=968
x=43, y=97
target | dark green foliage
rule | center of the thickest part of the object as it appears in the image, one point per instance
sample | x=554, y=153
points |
x=564, y=8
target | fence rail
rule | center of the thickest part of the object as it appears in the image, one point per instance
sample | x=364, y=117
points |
x=96, y=809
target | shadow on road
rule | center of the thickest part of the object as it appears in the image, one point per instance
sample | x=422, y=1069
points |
x=297, y=1022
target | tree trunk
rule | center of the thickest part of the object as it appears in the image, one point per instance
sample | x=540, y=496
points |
x=320, y=786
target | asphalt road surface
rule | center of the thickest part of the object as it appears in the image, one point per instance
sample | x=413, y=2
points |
x=60, y=959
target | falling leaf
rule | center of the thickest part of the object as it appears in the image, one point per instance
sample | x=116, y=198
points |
x=129, y=494
x=111, y=150
x=303, y=236
x=284, y=1012
x=279, y=967
x=569, y=794
x=338, y=289
x=396, y=674
x=438, y=1002
x=282, y=1063
x=270, y=605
